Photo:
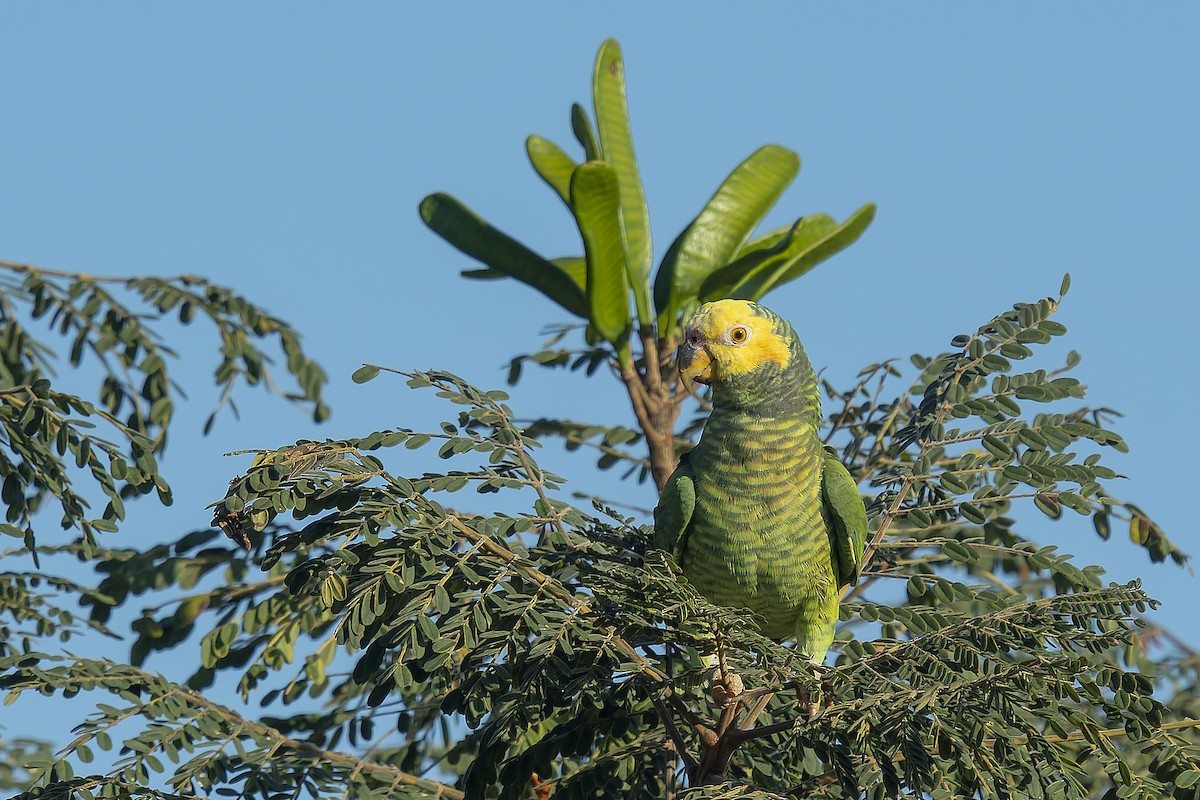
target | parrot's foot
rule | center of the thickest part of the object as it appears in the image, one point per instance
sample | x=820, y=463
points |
x=824, y=701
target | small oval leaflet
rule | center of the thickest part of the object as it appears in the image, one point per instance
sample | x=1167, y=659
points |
x=364, y=373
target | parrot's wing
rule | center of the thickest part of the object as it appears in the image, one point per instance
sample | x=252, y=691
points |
x=847, y=516
x=674, y=510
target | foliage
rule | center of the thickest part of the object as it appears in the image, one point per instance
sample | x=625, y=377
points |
x=115, y=437
x=14, y=754
x=713, y=257
x=486, y=648
x=465, y=631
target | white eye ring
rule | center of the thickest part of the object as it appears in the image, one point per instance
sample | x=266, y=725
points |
x=739, y=334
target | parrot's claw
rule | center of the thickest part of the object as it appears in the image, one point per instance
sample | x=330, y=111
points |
x=814, y=707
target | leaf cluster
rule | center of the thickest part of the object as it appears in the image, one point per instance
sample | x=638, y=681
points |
x=632, y=313
x=549, y=647
x=53, y=435
x=713, y=257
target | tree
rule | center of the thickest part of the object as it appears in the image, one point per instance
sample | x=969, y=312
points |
x=713, y=257
x=538, y=648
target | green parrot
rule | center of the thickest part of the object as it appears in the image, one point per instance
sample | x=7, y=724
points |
x=759, y=514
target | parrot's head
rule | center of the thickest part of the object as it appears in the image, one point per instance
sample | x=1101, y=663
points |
x=731, y=339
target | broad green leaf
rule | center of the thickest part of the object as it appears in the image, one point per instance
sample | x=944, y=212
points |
x=769, y=239
x=597, y=202
x=616, y=142
x=574, y=266
x=581, y=126
x=815, y=239
x=795, y=238
x=552, y=164
x=459, y=226
x=714, y=237
x=834, y=242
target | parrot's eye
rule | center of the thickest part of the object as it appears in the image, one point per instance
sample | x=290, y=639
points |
x=739, y=335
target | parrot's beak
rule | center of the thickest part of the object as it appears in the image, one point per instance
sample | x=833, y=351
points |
x=695, y=364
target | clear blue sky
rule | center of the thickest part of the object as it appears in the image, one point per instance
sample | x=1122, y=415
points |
x=282, y=149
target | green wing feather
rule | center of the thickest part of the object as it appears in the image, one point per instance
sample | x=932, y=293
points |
x=847, y=516
x=674, y=510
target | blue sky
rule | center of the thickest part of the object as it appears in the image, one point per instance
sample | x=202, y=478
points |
x=282, y=149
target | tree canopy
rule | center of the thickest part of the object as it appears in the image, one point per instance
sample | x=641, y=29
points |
x=361, y=629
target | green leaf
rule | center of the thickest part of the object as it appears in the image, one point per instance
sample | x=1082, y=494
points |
x=552, y=164
x=455, y=223
x=826, y=246
x=581, y=126
x=575, y=267
x=616, y=142
x=1048, y=505
x=722, y=282
x=1187, y=779
x=763, y=241
x=814, y=239
x=364, y=373
x=919, y=518
x=722, y=227
x=972, y=513
x=596, y=200
x=485, y=274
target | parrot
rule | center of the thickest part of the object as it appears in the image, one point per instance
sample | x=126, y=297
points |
x=760, y=514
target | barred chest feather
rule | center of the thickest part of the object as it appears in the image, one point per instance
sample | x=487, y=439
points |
x=759, y=536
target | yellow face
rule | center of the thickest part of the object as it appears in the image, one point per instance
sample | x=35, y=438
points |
x=727, y=338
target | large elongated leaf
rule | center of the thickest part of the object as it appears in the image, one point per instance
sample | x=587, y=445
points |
x=724, y=224
x=459, y=226
x=596, y=198
x=574, y=266
x=552, y=164
x=616, y=142
x=832, y=243
x=811, y=240
x=776, y=246
x=763, y=241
